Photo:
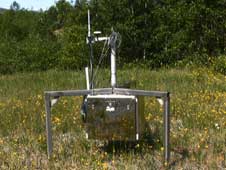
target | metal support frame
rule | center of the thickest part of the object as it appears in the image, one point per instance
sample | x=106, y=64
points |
x=49, y=95
x=137, y=120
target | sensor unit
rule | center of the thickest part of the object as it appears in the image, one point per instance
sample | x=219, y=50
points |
x=114, y=117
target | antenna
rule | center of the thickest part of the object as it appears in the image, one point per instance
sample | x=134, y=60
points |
x=89, y=30
x=91, y=49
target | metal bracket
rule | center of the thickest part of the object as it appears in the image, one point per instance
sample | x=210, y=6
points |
x=160, y=100
x=165, y=96
x=54, y=101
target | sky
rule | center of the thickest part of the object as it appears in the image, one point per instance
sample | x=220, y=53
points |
x=29, y=4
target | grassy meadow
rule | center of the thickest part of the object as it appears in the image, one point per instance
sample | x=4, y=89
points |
x=198, y=122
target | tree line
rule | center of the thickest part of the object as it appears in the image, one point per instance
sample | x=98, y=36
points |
x=155, y=32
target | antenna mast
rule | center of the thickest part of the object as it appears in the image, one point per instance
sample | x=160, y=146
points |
x=113, y=39
x=112, y=42
x=89, y=30
x=91, y=50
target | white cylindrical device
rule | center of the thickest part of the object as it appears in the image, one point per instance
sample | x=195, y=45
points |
x=113, y=66
x=87, y=78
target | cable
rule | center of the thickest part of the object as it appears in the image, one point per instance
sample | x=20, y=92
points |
x=103, y=55
x=115, y=38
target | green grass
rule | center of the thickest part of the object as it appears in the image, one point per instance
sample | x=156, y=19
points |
x=198, y=122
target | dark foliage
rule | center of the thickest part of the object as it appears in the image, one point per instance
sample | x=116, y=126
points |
x=155, y=32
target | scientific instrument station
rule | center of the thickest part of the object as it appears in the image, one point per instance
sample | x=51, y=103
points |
x=112, y=114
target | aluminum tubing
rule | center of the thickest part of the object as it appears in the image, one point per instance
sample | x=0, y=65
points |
x=113, y=67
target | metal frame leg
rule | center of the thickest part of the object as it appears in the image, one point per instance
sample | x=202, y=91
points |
x=166, y=129
x=48, y=125
x=55, y=95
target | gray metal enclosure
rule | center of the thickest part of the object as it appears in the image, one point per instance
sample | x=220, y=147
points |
x=114, y=117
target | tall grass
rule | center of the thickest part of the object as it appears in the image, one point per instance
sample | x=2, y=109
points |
x=198, y=122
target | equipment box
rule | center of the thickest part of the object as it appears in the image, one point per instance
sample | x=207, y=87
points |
x=114, y=117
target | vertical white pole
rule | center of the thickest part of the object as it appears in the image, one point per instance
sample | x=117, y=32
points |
x=113, y=66
x=91, y=49
x=89, y=29
x=87, y=78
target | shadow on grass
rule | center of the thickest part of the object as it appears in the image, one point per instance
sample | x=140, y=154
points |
x=183, y=152
x=150, y=142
